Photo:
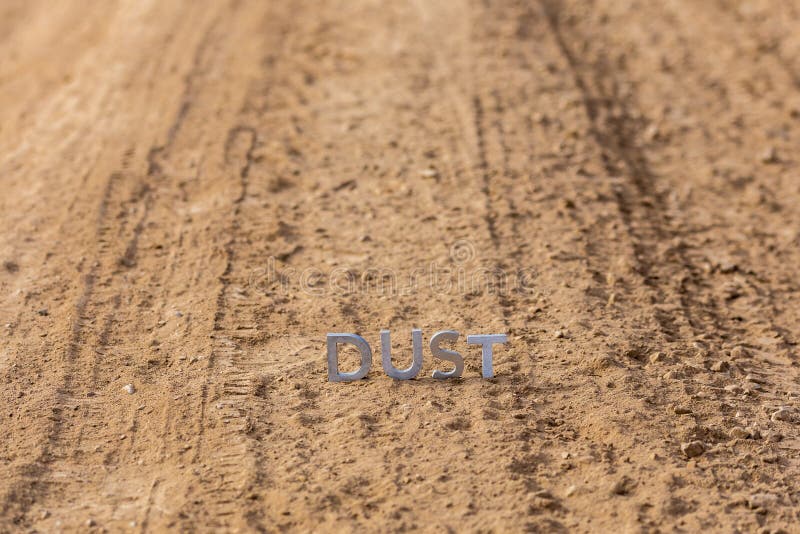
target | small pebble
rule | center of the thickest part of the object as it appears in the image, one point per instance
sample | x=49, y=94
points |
x=682, y=410
x=43, y=312
x=623, y=486
x=738, y=432
x=739, y=352
x=651, y=133
x=774, y=437
x=720, y=367
x=782, y=414
x=761, y=500
x=672, y=375
x=542, y=499
x=770, y=155
x=693, y=449
x=727, y=267
x=770, y=458
x=129, y=389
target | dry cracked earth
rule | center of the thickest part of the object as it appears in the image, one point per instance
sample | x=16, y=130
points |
x=195, y=193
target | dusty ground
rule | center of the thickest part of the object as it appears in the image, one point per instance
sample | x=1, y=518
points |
x=194, y=195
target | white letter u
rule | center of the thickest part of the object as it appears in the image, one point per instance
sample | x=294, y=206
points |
x=386, y=356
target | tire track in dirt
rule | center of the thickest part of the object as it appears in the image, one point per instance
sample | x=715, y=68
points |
x=619, y=135
x=499, y=188
x=226, y=376
x=640, y=156
x=599, y=249
x=558, y=206
x=215, y=503
x=480, y=161
x=657, y=394
x=751, y=282
x=231, y=394
x=142, y=189
x=764, y=287
x=675, y=16
x=63, y=437
x=136, y=197
x=720, y=328
x=504, y=293
x=102, y=345
x=616, y=131
x=19, y=496
x=512, y=114
x=80, y=329
x=483, y=165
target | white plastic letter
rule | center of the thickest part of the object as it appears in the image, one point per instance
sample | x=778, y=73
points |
x=333, y=357
x=386, y=354
x=448, y=355
x=486, y=341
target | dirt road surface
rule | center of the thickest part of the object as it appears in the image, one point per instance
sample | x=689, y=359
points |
x=194, y=194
